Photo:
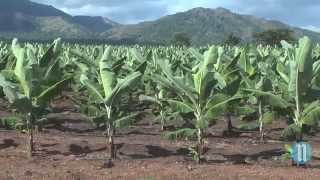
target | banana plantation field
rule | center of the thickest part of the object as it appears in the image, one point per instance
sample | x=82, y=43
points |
x=72, y=111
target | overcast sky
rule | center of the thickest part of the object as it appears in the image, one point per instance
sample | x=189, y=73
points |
x=302, y=13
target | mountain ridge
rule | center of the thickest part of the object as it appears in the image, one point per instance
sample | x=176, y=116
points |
x=203, y=25
x=35, y=21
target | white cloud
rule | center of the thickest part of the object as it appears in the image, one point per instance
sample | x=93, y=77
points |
x=90, y=10
x=312, y=28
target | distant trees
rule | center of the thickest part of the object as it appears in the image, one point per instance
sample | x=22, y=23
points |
x=232, y=40
x=274, y=36
x=181, y=39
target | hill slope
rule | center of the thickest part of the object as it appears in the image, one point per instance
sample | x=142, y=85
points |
x=202, y=25
x=95, y=23
x=29, y=20
x=17, y=15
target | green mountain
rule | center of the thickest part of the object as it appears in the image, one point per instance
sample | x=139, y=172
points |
x=95, y=23
x=29, y=20
x=204, y=26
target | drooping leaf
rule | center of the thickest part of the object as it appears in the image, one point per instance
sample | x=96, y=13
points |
x=122, y=86
x=51, y=54
x=312, y=116
x=182, y=107
x=217, y=108
x=148, y=99
x=126, y=121
x=269, y=98
x=92, y=88
x=181, y=134
x=268, y=117
x=52, y=91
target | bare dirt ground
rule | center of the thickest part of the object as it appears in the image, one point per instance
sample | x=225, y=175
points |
x=75, y=151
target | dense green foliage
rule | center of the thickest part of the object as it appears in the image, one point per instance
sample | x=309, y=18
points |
x=232, y=40
x=274, y=37
x=181, y=39
x=196, y=87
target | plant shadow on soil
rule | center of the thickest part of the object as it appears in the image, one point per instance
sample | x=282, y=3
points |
x=74, y=149
x=244, y=158
x=157, y=152
x=7, y=143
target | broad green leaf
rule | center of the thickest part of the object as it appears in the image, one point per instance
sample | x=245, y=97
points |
x=181, y=88
x=51, y=54
x=122, y=86
x=107, y=76
x=305, y=65
x=22, y=71
x=180, y=106
x=52, y=91
x=181, y=134
x=149, y=99
x=126, y=121
x=268, y=117
x=92, y=88
x=269, y=98
x=217, y=108
x=312, y=117
x=137, y=55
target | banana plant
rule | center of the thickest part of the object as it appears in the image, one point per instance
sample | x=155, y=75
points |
x=261, y=94
x=195, y=94
x=106, y=90
x=300, y=91
x=153, y=92
x=228, y=69
x=264, y=79
x=32, y=84
x=159, y=100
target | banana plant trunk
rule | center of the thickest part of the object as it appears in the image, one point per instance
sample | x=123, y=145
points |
x=199, y=146
x=261, y=128
x=30, y=144
x=299, y=136
x=110, y=137
x=110, y=144
x=229, y=123
x=200, y=143
x=161, y=120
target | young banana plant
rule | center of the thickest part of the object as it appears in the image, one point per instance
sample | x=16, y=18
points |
x=299, y=75
x=264, y=79
x=228, y=72
x=262, y=94
x=153, y=92
x=32, y=84
x=106, y=89
x=196, y=94
x=159, y=100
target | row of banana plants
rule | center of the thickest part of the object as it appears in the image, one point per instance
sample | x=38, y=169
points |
x=196, y=86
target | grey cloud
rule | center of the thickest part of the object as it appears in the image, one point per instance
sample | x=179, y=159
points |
x=123, y=11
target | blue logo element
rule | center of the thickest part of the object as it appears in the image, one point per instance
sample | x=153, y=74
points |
x=301, y=153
